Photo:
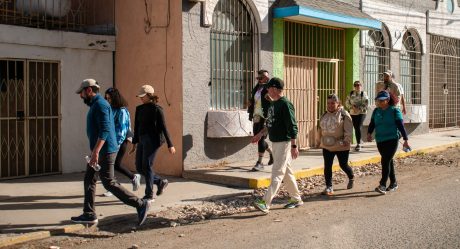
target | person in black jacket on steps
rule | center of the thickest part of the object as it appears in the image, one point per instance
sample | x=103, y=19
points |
x=150, y=133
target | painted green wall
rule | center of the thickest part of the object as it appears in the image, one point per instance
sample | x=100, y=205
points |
x=352, y=56
x=278, y=48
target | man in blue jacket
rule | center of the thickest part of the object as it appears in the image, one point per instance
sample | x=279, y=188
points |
x=100, y=130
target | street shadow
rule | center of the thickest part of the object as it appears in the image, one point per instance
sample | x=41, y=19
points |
x=53, y=205
x=9, y=198
x=23, y=228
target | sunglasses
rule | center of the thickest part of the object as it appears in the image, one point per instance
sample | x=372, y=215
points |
x=259, y=78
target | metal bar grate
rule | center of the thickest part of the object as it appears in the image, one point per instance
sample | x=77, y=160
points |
x=234, y=55
x=314, y=68
x=88, y=16
x=444, y=82
x=410, y=64
x=376, y=60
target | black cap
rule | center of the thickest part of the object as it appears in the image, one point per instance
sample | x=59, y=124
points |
x=276, y=82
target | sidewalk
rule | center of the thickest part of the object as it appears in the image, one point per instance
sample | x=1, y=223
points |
x=47, y=202
x=310, y=163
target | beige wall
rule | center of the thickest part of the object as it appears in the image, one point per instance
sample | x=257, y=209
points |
x=143, y=58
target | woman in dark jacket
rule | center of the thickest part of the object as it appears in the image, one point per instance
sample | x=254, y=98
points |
x=149, y=134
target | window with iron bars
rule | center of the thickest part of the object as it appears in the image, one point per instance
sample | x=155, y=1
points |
x=376, y=60
x=234, y=55
x=410, y=64
x=86, y=16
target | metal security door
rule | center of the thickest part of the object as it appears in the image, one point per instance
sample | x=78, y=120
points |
x=29, y=118
x=444, y=83
x=327, y=83
x=300, y=80
x=13, y=157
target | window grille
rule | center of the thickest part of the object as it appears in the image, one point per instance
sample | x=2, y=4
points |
x=410, y=64
x=376, y=60
x=87, y=16
x=444, y=82
x=234, y=55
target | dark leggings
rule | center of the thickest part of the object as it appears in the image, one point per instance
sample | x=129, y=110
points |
x=387, y=150
x=118, y=167
x=343, y=162
x=262, y=146
x=358, y=124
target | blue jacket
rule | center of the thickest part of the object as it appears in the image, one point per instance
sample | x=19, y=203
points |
x=100, y=125
x=122, y=124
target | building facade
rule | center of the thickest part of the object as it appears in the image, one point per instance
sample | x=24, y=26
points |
x=202, y=57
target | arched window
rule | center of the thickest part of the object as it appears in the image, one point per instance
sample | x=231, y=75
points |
x=376, y=59
x=234, y=55
x=410, y=64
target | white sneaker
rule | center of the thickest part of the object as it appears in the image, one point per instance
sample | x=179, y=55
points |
x=258, y=167
x=136, y=182
x=107, y=194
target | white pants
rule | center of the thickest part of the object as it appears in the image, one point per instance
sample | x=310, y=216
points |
x=282, y=172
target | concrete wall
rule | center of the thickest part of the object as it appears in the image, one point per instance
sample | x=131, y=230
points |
x=151, y=54
x=199, y=150
x=78, y=60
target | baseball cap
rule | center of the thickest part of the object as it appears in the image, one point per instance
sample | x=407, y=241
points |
x=87, y=83
x=276, y=82
x=389, y=73
x=144, y=90
x=382, y=95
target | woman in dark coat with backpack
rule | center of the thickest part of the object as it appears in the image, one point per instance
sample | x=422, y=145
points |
x=149, y=134
x=387, y=120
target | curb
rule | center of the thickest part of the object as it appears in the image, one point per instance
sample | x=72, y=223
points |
x=255, y=183
x=18, y=239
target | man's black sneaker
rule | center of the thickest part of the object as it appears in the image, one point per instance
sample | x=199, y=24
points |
x=270, y=162
x=381, y=189
x=84, y=219
x=142, y=212
x=162, y=186
x=392, y=187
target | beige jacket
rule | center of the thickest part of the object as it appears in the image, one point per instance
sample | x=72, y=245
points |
x=334, y=128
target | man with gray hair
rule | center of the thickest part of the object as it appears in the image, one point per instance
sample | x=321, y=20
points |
x=100, y=129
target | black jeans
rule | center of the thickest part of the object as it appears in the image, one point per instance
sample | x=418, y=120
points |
x=145, y=156
x=118, y=167
x=262, y=145
x=387, y=150
x=106, y=161
x=358, y=124
x=343, y=162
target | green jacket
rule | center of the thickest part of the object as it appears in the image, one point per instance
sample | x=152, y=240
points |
x=281, y=122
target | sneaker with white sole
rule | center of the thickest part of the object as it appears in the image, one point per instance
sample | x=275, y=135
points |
x=85, y=219
x=328, y=191
x=293, y=204
x=358, y=147
x=381, y=189
x=107, y=194
x=392, y=187
x=258, y=167
x=261, y=205
x=136, y=182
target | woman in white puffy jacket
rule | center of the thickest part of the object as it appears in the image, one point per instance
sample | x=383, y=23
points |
x=334, y=136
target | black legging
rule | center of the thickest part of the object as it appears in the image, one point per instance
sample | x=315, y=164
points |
x=343, y=162
x=262, y=146
x=387, y=150
x=358, y=124
x=118, y=167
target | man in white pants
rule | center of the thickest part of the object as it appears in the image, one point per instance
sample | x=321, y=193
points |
x=281, y=126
